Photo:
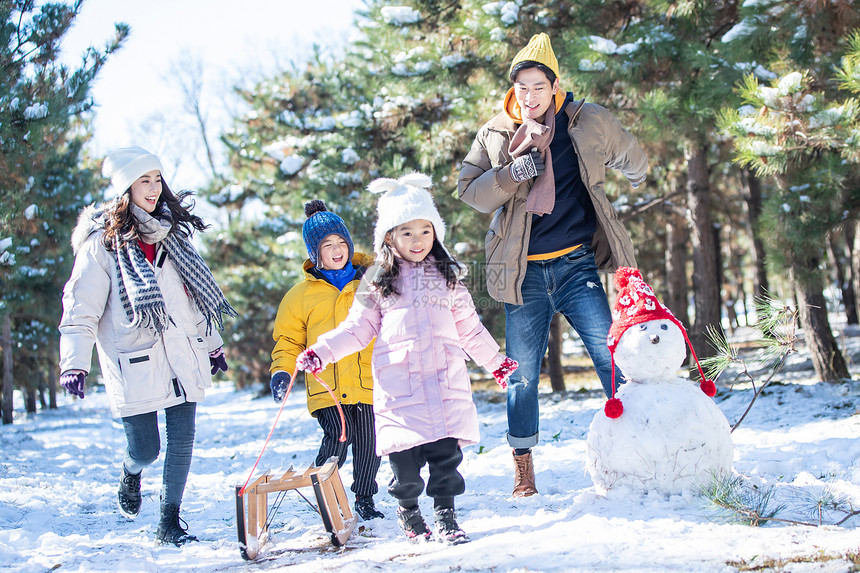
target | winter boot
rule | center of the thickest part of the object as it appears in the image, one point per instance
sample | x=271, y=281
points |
x=412, y=523
x=365, y=509
x=169, y=530
x=447, y=530
x=524, y=479
x=128, y=496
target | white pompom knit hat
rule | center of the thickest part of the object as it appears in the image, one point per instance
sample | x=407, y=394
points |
x=403, y=200
x=124, y=165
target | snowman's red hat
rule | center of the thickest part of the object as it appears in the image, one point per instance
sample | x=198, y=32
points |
x=636, y=303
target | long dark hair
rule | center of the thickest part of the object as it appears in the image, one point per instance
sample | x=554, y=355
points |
x=442, y=260
x=121, y=225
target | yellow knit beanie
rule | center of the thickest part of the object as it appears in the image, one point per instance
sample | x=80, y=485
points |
x=538, y=50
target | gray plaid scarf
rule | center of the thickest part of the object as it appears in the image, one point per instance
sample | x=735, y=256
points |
x=138, y=288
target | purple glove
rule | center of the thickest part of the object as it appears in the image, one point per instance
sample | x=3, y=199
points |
x=309, y=361
x=75, y=382
x=217, y=360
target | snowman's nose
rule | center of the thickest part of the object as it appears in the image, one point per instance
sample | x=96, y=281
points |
x=655, y=339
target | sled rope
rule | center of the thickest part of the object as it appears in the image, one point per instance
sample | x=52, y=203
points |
x=278, y=417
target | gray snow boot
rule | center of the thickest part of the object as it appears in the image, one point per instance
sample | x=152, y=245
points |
x=413, y=524
x=169, y=530
x=128, y=495
x=447, y=530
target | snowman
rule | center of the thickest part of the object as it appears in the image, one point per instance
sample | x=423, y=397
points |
x=659, y=432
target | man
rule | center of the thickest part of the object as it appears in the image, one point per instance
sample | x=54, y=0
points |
x=542, y=171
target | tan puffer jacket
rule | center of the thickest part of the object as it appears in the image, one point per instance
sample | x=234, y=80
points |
x=485, y=183
x=308, y=310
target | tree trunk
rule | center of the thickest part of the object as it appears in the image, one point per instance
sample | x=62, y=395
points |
x=741, y=293
x=677, y=291
x=52, y=382
x=843, y=276
x=556, y=374
x=706, y=276
x=30, y=400
x=40, y=389
x=855, y=261
x=826, y=356
x=6, y=403
x=753, y=186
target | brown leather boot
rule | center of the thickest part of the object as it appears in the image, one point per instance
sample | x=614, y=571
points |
x=524, y=479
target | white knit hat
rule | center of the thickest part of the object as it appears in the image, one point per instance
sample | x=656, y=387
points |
x=403, y=200
x=125, y=165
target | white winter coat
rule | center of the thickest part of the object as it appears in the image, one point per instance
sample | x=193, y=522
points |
x=143, y=371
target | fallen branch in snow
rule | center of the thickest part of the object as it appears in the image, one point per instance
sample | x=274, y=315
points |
x=777, y=323
x=754, y=505
x=763, y=563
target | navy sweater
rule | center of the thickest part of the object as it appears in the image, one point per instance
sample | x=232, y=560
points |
x=572, y=221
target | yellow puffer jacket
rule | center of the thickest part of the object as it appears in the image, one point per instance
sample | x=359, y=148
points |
x=312, y=308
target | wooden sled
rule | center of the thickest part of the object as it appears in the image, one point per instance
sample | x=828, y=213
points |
x=252, y=525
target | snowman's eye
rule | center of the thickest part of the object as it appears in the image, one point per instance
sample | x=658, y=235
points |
x=642, y=327
x=664, y=327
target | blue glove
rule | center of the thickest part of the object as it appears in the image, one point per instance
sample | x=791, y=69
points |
x=75, y=382
x=279, y=382
x=217, y=360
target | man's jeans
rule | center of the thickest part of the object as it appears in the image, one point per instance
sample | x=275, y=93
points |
x=570, y=285
x=144, y=443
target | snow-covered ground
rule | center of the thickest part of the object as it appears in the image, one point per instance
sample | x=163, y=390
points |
x=59, y=471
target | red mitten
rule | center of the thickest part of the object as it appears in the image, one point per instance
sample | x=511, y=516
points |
x=309, y=361
x=504, y=371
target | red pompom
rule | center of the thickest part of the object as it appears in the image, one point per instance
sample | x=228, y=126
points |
x=613, y=408
x=708, y=387
x=622, y=276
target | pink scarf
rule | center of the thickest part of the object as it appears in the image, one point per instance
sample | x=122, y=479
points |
x=533, y=135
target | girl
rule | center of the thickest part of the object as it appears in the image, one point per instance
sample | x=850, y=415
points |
x=426, y=327
x=140, y=292
x=311, y=308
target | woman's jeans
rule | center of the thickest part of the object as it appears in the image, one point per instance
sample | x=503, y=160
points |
x=570, y=285
x=144, y=443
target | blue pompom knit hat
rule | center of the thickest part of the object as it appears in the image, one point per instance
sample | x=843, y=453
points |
x=320, y=224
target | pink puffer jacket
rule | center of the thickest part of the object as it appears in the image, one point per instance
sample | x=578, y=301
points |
x=424, y=335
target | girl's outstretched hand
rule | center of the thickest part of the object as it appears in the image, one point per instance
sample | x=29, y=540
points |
x=501, y=368
x=309, y=361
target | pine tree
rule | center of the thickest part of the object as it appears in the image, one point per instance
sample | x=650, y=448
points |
x=44, y=181
x=401, y=99
x=800, y=130
x=411, y=93
x=661, y=68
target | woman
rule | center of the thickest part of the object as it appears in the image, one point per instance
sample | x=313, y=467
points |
x=140, y=292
